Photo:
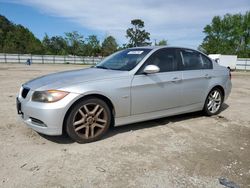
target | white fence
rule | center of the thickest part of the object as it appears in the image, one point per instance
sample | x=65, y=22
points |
x=40, y=59
x=243, y=64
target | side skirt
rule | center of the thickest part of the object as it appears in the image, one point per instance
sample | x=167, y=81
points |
x=158, y=114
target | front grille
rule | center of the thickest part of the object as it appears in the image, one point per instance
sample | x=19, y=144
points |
x=25, y=92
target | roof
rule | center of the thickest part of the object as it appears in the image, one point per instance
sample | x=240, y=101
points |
x=159, y=47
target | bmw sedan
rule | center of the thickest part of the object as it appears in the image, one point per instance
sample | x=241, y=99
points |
x=131, y=85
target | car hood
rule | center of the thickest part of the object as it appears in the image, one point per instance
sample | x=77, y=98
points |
x=69, y=78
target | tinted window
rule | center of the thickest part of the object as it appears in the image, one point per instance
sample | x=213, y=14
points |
x=165, y=59
x=191, y=60
x=207, y=63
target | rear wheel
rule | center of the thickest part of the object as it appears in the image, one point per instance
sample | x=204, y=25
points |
x=213, y=102
x=88, y=120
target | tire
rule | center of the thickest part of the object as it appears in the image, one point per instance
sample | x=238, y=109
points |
x=213, y=102
x=88, y=120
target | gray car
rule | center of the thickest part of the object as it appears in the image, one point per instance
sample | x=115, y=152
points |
x=132, y=85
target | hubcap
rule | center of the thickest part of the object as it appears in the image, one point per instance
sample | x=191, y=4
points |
x=90, y=120
x=214, y=101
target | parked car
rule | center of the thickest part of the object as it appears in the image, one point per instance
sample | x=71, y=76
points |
x=132, y=85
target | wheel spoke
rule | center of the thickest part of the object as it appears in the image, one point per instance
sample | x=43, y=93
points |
x=81, y=112
x=98, y=113
x=86, y=109
x=79, y=122
x=92, y=130
x=95, y=109
x=217, y=100
x=101, y=120
x=81, y=127
x=87, y=132
x=209, y=105
x=214, y=108
x=216, y=95
x=210, y=108
x=98, y=125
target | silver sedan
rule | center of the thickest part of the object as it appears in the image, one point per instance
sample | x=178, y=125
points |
x=132, y=85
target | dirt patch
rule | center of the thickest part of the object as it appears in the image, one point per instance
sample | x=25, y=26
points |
x=190, y=150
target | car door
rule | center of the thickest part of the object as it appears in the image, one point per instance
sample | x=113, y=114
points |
x=157, y=91
x=195, y=79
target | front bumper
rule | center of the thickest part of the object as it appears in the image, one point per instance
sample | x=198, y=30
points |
x=228, y=88
x=45, y=118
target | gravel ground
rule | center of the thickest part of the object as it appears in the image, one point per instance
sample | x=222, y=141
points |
x=181, y=151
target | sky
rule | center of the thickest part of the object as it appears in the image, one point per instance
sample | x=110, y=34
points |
x=180, y=22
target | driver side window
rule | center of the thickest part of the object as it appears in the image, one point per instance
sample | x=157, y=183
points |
x=165, y=59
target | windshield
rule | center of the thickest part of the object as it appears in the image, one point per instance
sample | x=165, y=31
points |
x=124, y=60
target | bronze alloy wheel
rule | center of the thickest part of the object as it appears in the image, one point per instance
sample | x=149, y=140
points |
x=88, y=120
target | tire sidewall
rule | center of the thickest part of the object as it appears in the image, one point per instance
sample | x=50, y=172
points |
x=69, y=120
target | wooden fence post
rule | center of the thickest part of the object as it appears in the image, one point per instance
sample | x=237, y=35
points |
x=245, y=64
x=42, y=59
x=5, y=58
x=18, y=58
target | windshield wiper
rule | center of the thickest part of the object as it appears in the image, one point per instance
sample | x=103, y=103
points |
x=101, y=67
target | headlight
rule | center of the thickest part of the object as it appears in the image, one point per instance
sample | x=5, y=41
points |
x=48, y=96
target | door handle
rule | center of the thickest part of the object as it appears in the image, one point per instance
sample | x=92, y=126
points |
x=176, y=79
x=207, y=76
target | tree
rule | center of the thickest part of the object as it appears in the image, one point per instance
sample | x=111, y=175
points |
x=137, y=35
x=17, y=39
x=21, y=40
x=92, y=48
x=109, y=46
x=74, y=42
x=5, y=27
x=228, y=35
x=162, y=43
x=55, y=45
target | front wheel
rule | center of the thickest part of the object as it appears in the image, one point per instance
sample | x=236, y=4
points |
x=213, y=102
x=88, y=120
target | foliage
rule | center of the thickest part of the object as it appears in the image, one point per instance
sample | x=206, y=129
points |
x=109, y=46
x=228, y=35
x=74, y=42
x=17, y=39
x=137, y=35
x=92, y=48
x=162, y=43
x=55, y=45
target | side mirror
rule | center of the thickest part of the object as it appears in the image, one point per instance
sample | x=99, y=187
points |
x=217, y=60
x=150, y=69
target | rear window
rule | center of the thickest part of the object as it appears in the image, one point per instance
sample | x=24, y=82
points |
x=192, y=60
x=207, y=63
